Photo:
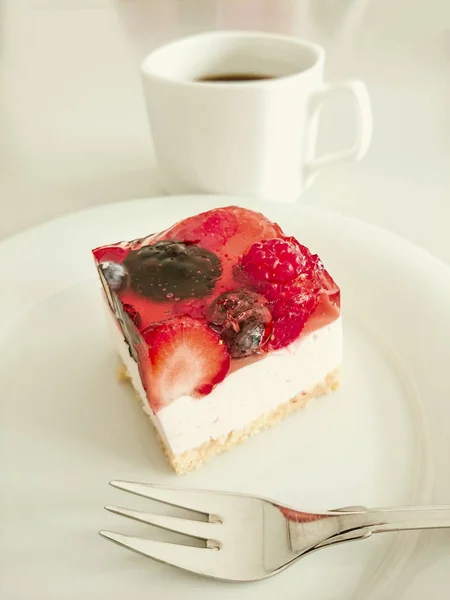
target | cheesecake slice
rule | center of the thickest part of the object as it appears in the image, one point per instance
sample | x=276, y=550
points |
x=224, y=324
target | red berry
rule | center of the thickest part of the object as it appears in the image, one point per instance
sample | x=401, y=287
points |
x=211, y=229
x=277, y=261
x=289, y=318
x=110, y=253
x=292, y=279
x=255, y=223
x=234, y=227
x=253, y=227
x=187, y=358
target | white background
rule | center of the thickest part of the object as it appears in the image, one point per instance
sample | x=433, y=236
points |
x=73, y=126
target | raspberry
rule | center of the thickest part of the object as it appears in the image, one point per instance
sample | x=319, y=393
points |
x=289, y=318
x=243, y=321
x=283, y=271
x=278, y=260
x=291, y=279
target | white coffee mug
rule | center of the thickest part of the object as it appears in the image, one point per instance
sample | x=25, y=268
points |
x=254, y=137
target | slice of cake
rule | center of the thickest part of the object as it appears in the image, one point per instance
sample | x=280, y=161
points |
x=224, y=325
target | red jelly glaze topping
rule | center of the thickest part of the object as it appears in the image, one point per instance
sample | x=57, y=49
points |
x=110, y=253
x=282, y=288
x=192, y=307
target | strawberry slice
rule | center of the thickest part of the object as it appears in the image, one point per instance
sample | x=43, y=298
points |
x=187, y=358
x=232, y=229
x=211, y=229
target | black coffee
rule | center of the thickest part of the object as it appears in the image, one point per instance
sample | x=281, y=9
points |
x=237, y=77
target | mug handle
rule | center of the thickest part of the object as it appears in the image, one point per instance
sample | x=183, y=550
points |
x=361, y=99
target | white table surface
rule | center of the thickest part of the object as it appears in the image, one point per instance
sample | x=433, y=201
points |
x=73, y=127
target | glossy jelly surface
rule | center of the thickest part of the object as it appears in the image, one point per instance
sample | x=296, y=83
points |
x=210, y=291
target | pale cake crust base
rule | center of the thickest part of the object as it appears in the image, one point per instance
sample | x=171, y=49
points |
x=191, y=459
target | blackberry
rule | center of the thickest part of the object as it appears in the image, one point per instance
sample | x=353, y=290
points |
x=171, y=270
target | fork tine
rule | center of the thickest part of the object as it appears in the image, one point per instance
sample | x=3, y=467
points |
x=198, y=560
x=198, y=529
x=198, y=501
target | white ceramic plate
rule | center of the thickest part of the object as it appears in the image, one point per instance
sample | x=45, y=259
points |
x=67, y=426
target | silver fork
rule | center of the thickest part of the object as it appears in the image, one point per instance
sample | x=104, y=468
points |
x=246, y=538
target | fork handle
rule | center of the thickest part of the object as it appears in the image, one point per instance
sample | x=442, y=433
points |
x=399, y=519
x=387, y=519
x=309, y=530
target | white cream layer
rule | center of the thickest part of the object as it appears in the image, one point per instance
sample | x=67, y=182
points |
x=245, y=394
